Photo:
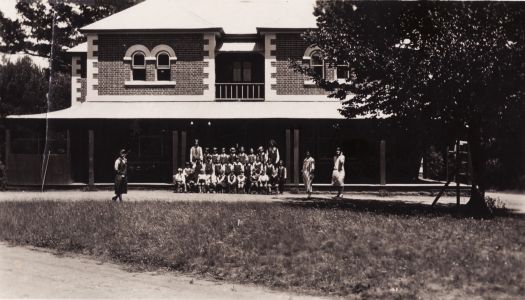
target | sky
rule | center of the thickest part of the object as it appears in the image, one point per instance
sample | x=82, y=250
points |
x=7, y=7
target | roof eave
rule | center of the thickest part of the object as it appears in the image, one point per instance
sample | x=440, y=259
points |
x=154, y=30
x=285, y=30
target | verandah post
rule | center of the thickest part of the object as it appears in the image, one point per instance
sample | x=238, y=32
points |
x=175, y=149
x=7, y=149
x=296, y=156
x=183, y=146
x=288, y=160
x=91, y=157
x=382, y=162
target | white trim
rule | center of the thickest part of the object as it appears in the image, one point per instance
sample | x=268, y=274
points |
x=210, y=68
x=90, y=68
x=135, y=48
x=270, y=66
x=163, y=47
x=308, y=52
x=309, y=82
x=149, y=83
x=128, y=58
x=75, y=85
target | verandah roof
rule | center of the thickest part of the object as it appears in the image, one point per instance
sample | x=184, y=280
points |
x=195, y=110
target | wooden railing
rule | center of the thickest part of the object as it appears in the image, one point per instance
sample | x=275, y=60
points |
x=239, y=91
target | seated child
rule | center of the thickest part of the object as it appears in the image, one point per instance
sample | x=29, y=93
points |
x=179, y=181
x=202, y=181
x=232, y=183
x=241, y=181
x=222, y=183
x=263, y=180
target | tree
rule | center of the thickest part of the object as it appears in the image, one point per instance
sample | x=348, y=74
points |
x=23, y=88
x=457, y=64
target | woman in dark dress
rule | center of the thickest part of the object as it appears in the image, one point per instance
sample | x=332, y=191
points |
x=121, y=178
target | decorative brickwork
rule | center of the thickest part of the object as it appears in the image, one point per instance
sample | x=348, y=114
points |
x=292, y=46
x=187, y=70
x=83, y=90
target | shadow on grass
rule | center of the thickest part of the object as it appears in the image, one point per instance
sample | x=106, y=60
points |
x=397, y=207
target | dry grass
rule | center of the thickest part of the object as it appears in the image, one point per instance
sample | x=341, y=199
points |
x=361, y=249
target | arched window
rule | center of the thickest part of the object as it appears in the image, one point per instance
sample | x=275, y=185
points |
x=163, y=66
x=317, y=63
x=138, y=65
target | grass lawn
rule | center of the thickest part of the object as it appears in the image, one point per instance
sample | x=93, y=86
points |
x=359, y=248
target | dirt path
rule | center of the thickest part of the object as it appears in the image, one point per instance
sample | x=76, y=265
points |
x=38, y=273
x=514, y=201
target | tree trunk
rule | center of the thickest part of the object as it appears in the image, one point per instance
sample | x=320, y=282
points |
x=477, y=204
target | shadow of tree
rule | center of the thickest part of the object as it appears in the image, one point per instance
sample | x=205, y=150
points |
x=389, y=207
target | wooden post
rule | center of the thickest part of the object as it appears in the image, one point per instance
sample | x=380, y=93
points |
x=7, y=147
x=175, y=150
x=457, y=173
x=91, y=155
x=288, y=160
x=296, y=156
x=183, y=146
x=382, y=162
x=68, y=148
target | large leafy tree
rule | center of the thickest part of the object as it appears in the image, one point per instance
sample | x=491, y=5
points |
x=458, y=65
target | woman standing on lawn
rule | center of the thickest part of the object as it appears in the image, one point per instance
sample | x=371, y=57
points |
x=338, y=174
x=308, y=173
x=121, y=180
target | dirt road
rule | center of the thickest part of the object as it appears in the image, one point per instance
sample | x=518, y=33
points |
x=514, y=201
x=38, y=273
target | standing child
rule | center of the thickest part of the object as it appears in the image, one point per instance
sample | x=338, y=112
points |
x=281, y=170
x=189, y=172
x=224, y=157
x=121, y=179
x=251, y=157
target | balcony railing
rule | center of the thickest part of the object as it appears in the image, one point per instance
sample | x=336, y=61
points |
x=239, y=91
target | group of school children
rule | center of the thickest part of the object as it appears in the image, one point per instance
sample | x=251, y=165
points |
x=233, y=171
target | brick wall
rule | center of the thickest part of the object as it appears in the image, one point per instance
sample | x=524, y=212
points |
x=289, y=82
x=187, y=71
x=83, y=89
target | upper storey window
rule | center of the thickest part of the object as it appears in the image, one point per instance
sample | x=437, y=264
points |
x=342, y=72
x=317, y=63
x=138, y=64
x=163, y=67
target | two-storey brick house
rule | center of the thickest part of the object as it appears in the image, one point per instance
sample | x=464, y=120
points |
x=159, y=74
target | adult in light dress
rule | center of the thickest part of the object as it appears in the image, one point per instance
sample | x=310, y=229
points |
x=338, y=173
x=308, y=173
x=121, y=175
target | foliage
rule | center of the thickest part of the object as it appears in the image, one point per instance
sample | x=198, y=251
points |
x=435, y=164
x=460, y=65
x=383, y=251
x=23, y=88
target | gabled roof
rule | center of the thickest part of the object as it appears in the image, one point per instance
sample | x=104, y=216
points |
x=230, y=16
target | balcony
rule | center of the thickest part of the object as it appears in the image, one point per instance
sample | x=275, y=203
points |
x=239, y=76
x=239, y=91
